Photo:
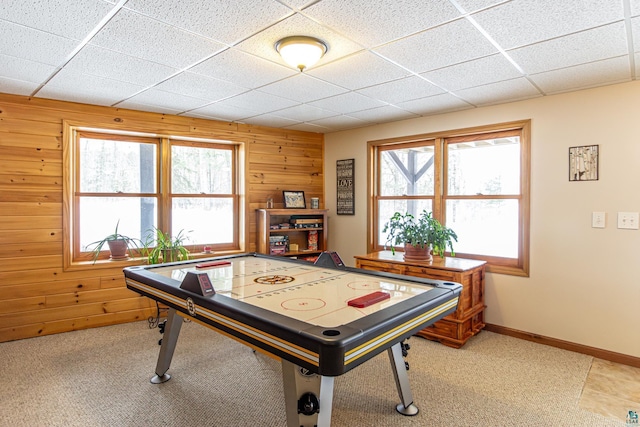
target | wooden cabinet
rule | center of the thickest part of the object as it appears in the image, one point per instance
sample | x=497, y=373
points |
x=299, y=228
x=455, y=329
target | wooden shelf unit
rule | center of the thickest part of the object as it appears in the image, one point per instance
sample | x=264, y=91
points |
x=267, y=217
x=468, y=320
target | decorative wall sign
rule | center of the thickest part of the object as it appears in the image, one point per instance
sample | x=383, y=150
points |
x=583, y=163
x=345, y=191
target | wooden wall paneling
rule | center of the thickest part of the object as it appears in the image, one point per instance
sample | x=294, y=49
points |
x=10, y=222
x=25, y=290
x=72, y=324
x=27, y=167
x=30, y=263
x=26, y=141
x=112, y=282
x=37, y=297
x=73, y=311
x=85, y=297
x=30, y=127
x=48, y=235
x=30, y=209
x=17, y=152
x=17, y=193
x=22, y=304
x=25, y=249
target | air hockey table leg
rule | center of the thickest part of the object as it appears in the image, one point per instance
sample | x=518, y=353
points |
x=308, y=396
x=171, y=333
x=406, y=406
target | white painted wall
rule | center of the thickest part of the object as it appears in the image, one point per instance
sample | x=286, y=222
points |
x=584, y=283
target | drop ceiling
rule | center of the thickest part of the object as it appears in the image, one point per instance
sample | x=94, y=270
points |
x=387, y=60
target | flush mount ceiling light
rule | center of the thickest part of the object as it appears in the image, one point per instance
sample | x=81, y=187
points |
x=301, y=51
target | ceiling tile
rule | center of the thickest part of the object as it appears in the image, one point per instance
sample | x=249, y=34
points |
x=302, y=88
x=243, y=69
x=199, y=86
x=263, y=44
x=373, y=22
x=635, y=29
x=448, y=44
x=221, y=111
x=165, y=99
x=131, y=105
x=305, y=112
x=388, y=113
x=608, y=71
x=17, y=87
x=445, y=102
x=347, y=103
x=142, y=37
x=341, y=122
x=489, y=69
x=225, y=21
x=471, y=6
x=68, y=18
x=308, y=127
x=518, y=23
x=298, y=4
x=34, y=45
x=401, y=90
x=505, y=91
x=350, y=72
x=604, y=42
x=115, y=65
x=259, y=102
x=76, y=87
x=23, y=69
x=635, y=7
x=270, y=120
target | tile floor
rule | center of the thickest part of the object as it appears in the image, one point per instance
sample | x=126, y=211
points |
x=611, y=389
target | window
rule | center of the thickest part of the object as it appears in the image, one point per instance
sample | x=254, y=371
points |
x=143, y=182
x=475, y=181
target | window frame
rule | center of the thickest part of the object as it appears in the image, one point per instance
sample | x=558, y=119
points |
x=73, y=256
x=513, y=266
x=234, y=195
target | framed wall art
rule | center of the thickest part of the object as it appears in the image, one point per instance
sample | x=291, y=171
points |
x=294, y=199
x=345, y=191
x=583, y=163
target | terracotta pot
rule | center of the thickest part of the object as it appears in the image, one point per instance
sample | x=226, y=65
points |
x=118, y=249
x=417, y=253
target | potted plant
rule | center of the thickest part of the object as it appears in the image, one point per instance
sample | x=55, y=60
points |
x=118, y=245
x=442, y=237
x=162, y=247
x=418, y=235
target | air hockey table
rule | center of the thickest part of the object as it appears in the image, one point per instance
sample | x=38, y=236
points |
x=320, y=321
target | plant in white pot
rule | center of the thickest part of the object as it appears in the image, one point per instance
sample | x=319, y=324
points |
x=419, y=235
x=118, y=245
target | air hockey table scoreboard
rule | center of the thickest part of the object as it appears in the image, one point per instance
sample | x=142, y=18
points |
x=320, y=321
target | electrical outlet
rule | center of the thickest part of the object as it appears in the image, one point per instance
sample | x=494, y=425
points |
x=628, y=220
x=598, y=219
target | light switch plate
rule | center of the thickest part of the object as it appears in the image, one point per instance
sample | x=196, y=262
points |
x=598, y=220
x=628, y=220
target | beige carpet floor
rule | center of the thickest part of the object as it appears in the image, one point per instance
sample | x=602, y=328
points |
x=100, y=377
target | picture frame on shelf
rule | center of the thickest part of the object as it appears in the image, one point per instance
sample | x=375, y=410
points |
x=294, y=199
